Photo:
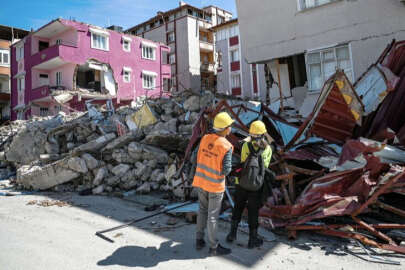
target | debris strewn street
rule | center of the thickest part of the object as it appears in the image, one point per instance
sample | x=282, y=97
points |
x=36, y=237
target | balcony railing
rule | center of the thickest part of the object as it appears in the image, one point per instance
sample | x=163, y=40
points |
x=207, y=67
x=206, y=46
x=52, y=52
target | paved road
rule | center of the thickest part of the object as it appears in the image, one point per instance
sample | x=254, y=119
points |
x=34, y=237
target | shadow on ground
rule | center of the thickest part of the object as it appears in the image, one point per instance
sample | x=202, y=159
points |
x=135, y=256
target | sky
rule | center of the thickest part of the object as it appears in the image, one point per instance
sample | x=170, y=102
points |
x=27, y=14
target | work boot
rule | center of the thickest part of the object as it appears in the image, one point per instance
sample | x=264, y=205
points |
x=234, y=230
x=219, y=251
x=200, y=244
x=254, y=240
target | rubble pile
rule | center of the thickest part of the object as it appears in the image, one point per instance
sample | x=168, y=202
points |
x=103, y=152
x=342, y=171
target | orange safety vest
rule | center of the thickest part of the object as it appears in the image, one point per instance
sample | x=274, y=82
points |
x=208, y=175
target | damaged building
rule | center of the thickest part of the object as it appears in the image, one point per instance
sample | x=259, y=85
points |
x=303, y=42
x=236, y=77
x=8, y=36
x=66, y=63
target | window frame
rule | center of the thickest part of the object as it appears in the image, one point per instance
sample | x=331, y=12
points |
x=43, y=109
x=58, y=80
x=146, y=55
x=231, y=53
x=126, y=75
x=21, y=83
x=2, y=53
x=148, y=78
x=171, y=34
x=302, y=4
x=107, y=41
x=124, y=43
x=238, y=85
x=322, y=62
x=19, y=50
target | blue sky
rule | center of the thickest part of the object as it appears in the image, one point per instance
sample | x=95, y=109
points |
x=35, y=13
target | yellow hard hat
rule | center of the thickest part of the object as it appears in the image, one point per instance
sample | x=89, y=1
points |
x=257, y=128
x=222, y=120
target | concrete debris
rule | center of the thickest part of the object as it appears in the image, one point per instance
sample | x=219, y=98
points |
x=77, y=164
x=107, y=154
x=120, y=170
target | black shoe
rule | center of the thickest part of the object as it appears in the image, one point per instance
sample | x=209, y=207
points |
x=232, y=234
x=254, y=240
x=219, y=251
x=200, y=244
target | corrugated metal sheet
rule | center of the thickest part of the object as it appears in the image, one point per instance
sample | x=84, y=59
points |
x=336, y=113
x=372, y=89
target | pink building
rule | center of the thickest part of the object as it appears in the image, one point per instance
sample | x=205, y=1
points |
x=65, y=63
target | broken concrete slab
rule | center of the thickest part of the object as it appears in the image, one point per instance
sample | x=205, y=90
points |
x=120, y=170
x=91, y=162
x=77, y=164
x=123, y=140
x=95, y=145
x=42, y=178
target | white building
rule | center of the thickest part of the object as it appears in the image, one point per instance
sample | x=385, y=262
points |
x=304, y=41
x=186, y=29
x=235, y=76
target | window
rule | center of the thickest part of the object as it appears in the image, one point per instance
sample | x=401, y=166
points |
x=221, y=19
x=234, y=55
x=149, y=81
x=127, y=74
x=19, y=52
x=42, y=45
x=222, y=34
x=235, y=81
x=58, y=108
x=172, y=58
x=43, y=79
x=219, y=59
x=4, y=57
x=305, y=4
x=21, y=83
x=58, y=78
x=234, y=31
x=148, y=52
x=20, y=115
x=171, y=37
x=58, y=41
x=323, y=64
x=99, y=41
x=43, y=112
x=126, y=45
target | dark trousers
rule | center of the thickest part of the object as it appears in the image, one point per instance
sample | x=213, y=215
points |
x=254, y=203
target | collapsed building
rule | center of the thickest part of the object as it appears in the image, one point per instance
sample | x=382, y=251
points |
x=66, y=63
x=341, y=172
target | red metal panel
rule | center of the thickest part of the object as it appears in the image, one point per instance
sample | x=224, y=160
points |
x=235, y=66
x=236, y=91
x=254, y=75
x=233, y=41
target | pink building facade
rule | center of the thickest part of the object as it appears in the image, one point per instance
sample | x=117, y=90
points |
x=65, y=63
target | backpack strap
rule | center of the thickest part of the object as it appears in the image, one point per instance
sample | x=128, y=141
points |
x=251, y=148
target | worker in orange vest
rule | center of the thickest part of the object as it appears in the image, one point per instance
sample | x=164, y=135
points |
x=212, y=161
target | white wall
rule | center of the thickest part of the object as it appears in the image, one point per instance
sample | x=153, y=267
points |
x=273, y=29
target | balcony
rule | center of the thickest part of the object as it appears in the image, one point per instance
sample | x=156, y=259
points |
x=53, y=56
x=207, y=67
x=40, y=92
x=166, y=70
x=206, y=46
x=204, y=25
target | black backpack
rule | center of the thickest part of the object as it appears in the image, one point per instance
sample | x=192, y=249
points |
x=252, y=175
